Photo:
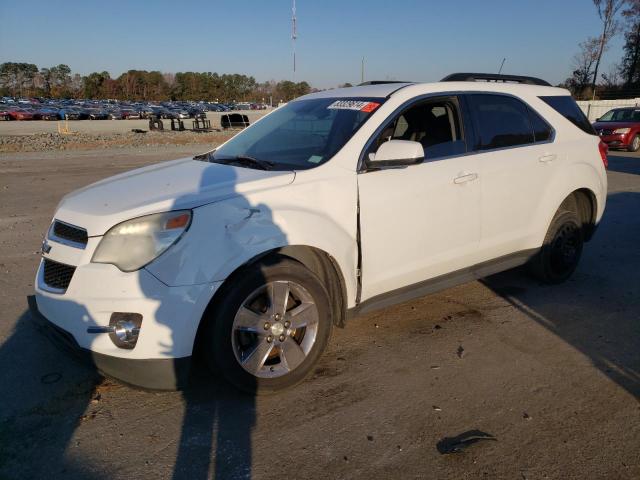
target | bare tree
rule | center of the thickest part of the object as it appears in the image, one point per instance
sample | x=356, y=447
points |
x=583, y=64
x=630, y=67
x=612, y=77
x=608, y=13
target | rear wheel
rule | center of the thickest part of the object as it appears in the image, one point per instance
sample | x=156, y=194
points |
x=269, y=329
x=634, y=146
x=561, y=250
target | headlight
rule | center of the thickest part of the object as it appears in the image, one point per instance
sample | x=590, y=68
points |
x=133, y=244
x=622, y=130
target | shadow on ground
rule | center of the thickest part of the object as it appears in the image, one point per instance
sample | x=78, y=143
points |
x=624, y=163
x=45, y=397
x=598, y=310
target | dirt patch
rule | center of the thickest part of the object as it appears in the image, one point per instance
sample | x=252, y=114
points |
x=85, y=141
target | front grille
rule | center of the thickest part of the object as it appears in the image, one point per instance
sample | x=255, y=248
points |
x=606, y=132
x=69, y=232
x=57, y=275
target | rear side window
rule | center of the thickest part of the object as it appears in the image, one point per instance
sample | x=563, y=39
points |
x=500, y=121
x=541, y=129
x=568, y=108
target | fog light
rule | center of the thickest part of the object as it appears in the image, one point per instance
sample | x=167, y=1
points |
x=125, y=328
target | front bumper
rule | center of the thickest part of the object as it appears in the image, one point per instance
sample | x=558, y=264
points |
x=170, y=318
x=616, y=140
x=157, y=374
x=170, y=315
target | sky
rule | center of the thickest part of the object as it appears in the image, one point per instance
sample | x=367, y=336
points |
x=400, y=39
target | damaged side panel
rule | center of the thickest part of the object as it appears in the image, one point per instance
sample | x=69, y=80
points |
x=303, y=214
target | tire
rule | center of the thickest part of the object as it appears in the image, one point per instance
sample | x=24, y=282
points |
x=252, y=342
x=561, y=250
x=634, y=146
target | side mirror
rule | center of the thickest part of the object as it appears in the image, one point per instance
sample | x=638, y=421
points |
x=396, y=153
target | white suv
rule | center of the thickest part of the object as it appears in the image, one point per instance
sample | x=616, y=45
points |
x=338, y=203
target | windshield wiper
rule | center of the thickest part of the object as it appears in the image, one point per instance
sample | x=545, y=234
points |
x=205, y=156
x=244, y=161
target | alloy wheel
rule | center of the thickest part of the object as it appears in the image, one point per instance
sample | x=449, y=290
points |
x=275, y=329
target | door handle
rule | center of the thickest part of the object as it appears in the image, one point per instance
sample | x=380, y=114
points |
x=467, y=177
x=99, y=329
x=547, y=158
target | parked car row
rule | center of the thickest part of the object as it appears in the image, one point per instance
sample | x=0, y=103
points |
x=48, y=109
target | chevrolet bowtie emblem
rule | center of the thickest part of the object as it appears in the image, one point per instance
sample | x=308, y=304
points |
x=46, y=248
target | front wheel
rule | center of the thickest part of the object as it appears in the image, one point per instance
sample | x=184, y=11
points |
x=561, y=250
x=634, y=146
x=270, y=327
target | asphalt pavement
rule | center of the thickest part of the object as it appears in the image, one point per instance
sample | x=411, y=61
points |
x=551, y=374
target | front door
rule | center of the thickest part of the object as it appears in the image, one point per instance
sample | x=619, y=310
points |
x=422, y=221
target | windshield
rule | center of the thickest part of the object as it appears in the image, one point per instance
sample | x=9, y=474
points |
x=621, y=115
x=300, y=135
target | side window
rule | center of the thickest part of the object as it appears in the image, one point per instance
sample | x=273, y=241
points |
x=501, y=121
x=541, y=129
x=434, y=123
x=567, y=107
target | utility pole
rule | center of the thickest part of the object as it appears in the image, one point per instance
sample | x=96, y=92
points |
x=362, y=71
x=294, y=36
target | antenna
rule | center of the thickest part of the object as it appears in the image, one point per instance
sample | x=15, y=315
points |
x=294, y=36
x=502, y=65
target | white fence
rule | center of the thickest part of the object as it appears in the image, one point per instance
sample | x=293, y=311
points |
x=596, y=108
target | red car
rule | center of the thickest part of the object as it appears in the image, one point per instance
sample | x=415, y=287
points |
x=620, y=128
x=19, y=114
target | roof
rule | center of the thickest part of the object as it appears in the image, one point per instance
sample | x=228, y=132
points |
x=380, y=90
x=495, y=77
x=384, y=90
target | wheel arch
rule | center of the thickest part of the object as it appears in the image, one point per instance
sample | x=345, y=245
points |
x=583, y=187
x=584, y=203
x=321, y=263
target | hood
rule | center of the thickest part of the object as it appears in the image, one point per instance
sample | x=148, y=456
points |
x=614, y=125
x=174, y=185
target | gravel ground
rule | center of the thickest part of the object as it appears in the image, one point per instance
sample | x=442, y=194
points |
x=552, y=372
x=43, y=142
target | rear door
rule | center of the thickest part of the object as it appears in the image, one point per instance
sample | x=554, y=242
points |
x=516, y=158
x=421, y=221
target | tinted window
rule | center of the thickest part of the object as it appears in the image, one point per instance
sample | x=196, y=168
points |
x=541, y=129
x=621, y=115
x=501, y=121
x=568, y=108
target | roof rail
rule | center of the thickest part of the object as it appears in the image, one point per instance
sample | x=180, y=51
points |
x=494, y=77
x=380, y=82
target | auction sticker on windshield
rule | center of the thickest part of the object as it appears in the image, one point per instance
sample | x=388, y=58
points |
x=359, y=105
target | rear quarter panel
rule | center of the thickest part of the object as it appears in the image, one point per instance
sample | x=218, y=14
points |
x=580, y=167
